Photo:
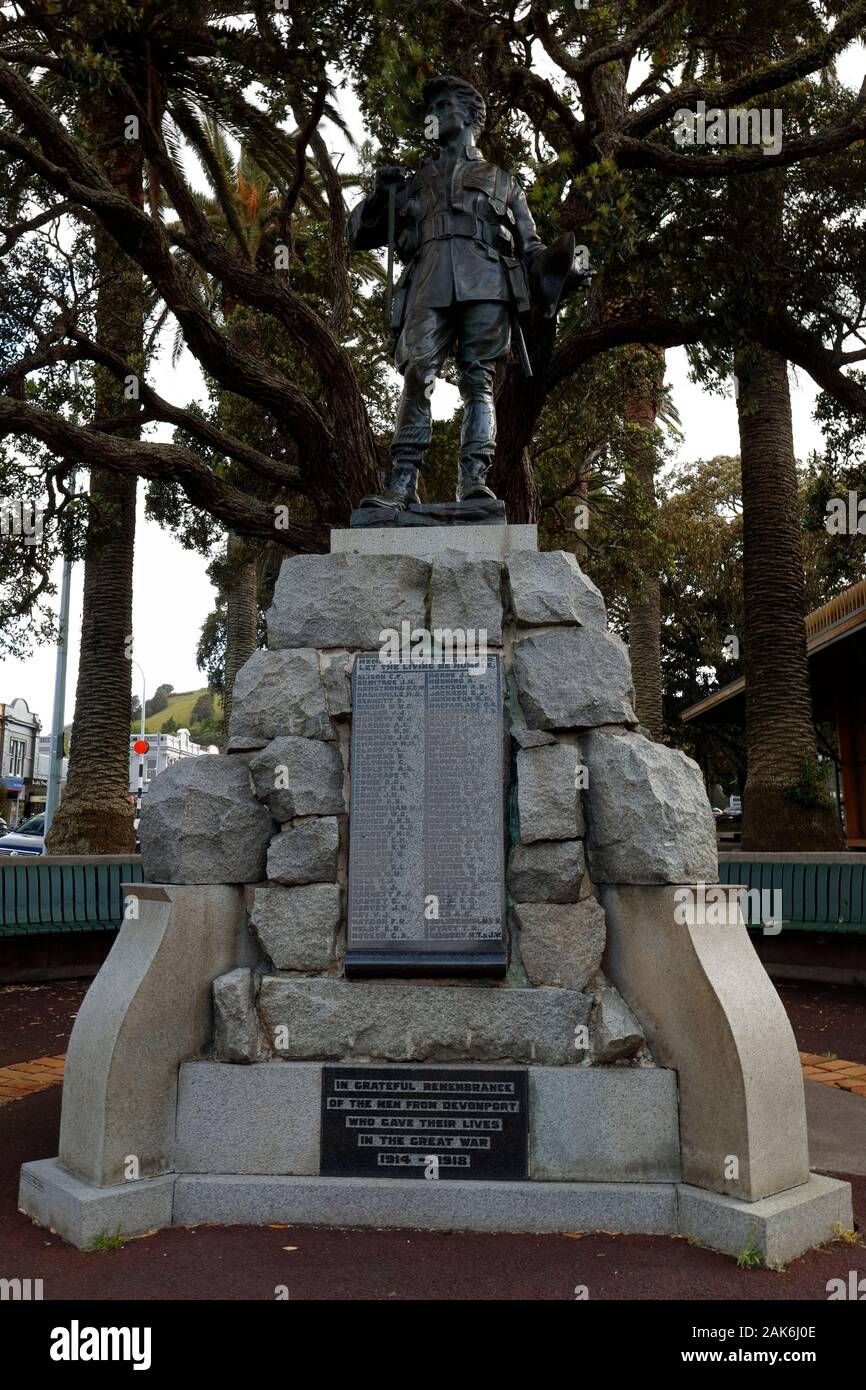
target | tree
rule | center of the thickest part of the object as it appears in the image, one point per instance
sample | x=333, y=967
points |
x=159, y=700
x=602, y=159
x=781, y=804
x=587, y=179
x=644, y=368
x=203, y=710
x=94, y=815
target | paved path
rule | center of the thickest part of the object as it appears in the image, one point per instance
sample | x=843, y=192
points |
x=23, y=1078
x=837, y=1129
x=846, y=1076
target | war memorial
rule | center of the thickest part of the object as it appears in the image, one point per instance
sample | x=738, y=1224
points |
x=412, y=951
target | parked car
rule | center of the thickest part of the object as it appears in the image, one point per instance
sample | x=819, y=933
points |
x=28, y=838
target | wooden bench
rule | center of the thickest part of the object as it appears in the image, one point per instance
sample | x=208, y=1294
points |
x=820, y=893
x=58, y=893
x=823, y=935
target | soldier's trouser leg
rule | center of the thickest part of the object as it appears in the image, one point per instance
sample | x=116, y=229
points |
x=485, y=337
x=421, y=351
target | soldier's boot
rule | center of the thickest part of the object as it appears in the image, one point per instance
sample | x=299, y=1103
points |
x=471, y=482
x=399, y=487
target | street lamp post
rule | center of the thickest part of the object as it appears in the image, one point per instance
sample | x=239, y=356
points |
x=55, y=756
x=142, y=736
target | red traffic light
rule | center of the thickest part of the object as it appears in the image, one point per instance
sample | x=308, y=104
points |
x=141, y=745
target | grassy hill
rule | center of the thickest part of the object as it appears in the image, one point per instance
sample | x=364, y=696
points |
x=179, y=708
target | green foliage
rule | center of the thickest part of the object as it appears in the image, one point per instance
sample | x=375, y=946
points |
x=811, y=787
x=751, y=1256
x=203, y=710
x=105, y=1242
x=159, y=699
x=180, y=711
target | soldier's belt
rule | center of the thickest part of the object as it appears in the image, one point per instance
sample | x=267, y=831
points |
x=458, y=224
x=446, y=224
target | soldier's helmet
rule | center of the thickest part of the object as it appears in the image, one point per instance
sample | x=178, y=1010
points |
x=469, y=96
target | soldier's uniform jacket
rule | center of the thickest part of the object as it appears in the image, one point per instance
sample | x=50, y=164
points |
x=465, y=234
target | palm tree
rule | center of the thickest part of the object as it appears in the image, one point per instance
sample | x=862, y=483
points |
x=784, y=804
x=98, y=69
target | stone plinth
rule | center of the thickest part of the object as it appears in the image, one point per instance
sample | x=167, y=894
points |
x=665, y=1093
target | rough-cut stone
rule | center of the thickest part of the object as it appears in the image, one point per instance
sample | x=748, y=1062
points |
x=615, y=1032
x=561, y=946
x=236, y=1025
x=200, y=823
x=297, y=927
x=345, y=600
x=574, y=677
x=299, y=777
x=649, y=817
x=532, y=738
x=466, y=593
x=306, y=853
x=336, y=669
x=548, y=802
x=550, y=587
x=548, y=871
x=278, y=693
x=330, y=1018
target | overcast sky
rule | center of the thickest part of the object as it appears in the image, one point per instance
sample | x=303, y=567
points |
x=172, y=592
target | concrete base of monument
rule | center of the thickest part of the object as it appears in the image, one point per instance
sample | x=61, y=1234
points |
x=586, y=1124
x=779, y=1228
x=81, y=1212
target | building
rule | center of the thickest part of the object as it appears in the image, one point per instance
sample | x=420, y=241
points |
x=836, y=648
x=36, y=800
x=162, y=751
x=19, y=732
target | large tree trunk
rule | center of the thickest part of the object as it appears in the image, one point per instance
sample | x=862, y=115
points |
x=643, y=376
x=519, y=402
x=780, y=733
x=781, y=750
x=241, y=616
x=95, y=815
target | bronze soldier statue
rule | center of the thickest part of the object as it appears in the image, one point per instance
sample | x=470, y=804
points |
x=473, y=260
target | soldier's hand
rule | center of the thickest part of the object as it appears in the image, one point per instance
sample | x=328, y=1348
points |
x=390, y=173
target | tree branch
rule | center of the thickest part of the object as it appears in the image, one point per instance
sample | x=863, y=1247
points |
x=626, y=47
x=757, y=82
x=164, y=462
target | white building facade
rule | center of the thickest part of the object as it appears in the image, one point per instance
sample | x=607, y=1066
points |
x=19, y=733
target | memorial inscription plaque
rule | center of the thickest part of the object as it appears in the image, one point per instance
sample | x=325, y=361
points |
x=426, y=824
x=424, y=1122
